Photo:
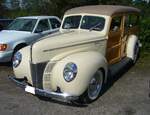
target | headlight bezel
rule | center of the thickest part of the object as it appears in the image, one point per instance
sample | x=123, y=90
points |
x=70, y=72
x=17, y=58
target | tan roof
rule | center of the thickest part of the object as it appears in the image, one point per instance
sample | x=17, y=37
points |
x=102, y=9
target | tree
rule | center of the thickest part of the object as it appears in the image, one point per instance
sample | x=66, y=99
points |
x=54, y=7
x=2, y=9
x=116, y=2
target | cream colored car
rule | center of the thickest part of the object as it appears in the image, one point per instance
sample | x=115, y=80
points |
x=73, y=64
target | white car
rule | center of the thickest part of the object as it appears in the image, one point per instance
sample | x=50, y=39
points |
x=23, y=31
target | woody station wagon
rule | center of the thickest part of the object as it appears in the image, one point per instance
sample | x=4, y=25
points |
x=73, y=64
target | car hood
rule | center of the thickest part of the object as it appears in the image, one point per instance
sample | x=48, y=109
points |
x=70, y=37
x=11, y=35
x=61, y=41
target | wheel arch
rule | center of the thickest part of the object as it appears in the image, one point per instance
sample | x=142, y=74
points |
x=19, y=46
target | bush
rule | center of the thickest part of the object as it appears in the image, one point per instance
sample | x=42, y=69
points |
x=145, y=33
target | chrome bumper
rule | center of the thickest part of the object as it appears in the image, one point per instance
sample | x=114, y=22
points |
x=5, y=56
x=36, y=91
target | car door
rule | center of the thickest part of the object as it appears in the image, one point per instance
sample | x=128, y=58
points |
x=43, y=28
x=113, y=53
x=55, y=24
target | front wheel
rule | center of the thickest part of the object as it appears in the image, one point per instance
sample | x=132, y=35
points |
x=95, y=87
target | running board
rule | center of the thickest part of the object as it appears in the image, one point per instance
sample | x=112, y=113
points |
x=116, y=68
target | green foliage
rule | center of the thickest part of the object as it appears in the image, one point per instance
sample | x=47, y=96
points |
x=144, y=24
x=2, y=9
x=49, y=7
x=116, y=2
x=145, y=33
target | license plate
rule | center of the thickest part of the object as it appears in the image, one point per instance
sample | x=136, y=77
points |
x=30, y=89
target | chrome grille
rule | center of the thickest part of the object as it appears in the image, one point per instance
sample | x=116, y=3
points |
x=47, y=75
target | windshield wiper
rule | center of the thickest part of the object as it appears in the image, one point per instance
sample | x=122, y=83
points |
x=92, y=28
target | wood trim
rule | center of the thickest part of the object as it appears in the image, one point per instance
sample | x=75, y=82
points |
x=113, y=53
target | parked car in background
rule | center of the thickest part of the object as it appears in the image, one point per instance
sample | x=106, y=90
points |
x=4, y=23
x=75, y=63
x=23, y=31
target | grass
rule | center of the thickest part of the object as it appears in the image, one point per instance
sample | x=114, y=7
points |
x=144, y=59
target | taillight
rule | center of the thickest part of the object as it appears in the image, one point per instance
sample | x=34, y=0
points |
x=3, y=47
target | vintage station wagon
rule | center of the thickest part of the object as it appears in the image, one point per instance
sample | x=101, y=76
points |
x=73, y=64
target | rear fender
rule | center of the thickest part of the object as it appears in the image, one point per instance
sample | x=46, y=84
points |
x=132, y=41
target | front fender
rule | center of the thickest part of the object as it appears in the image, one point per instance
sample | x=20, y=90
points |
x=17, y=43
x=87, y=63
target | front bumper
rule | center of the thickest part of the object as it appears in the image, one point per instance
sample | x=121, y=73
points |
x=5, y=56
x=36, y=91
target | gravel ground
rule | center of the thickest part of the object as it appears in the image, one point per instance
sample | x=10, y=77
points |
x=128, y=94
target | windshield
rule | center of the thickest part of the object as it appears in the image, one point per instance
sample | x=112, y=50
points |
x=87, y=22
x=22, y=25
x=72, y=22
x=93, y=23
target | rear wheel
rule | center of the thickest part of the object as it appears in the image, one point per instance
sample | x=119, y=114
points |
x=136, y=53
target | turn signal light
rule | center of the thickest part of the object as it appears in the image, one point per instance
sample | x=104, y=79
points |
x=3, y=47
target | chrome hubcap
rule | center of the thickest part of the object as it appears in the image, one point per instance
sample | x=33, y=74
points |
x=95, y=85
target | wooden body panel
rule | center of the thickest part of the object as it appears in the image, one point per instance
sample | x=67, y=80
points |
x=113, y=47
x=117, y=40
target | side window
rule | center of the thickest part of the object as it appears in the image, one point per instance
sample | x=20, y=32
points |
x=127, y=21
x=54, y=23
x=43, y=25
x=131, y=20
x=115, y=24
x=134, y=20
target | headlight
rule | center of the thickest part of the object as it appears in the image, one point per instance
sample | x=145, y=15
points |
x=70, y=72
x=17, y=59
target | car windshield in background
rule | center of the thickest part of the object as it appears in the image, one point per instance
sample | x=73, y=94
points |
x=71, y=22
x=93, y=23
x=22, y=25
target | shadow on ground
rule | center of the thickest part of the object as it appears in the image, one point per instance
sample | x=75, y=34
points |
x=115, y=77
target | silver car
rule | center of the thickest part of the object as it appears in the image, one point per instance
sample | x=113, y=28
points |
x=23, y=31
